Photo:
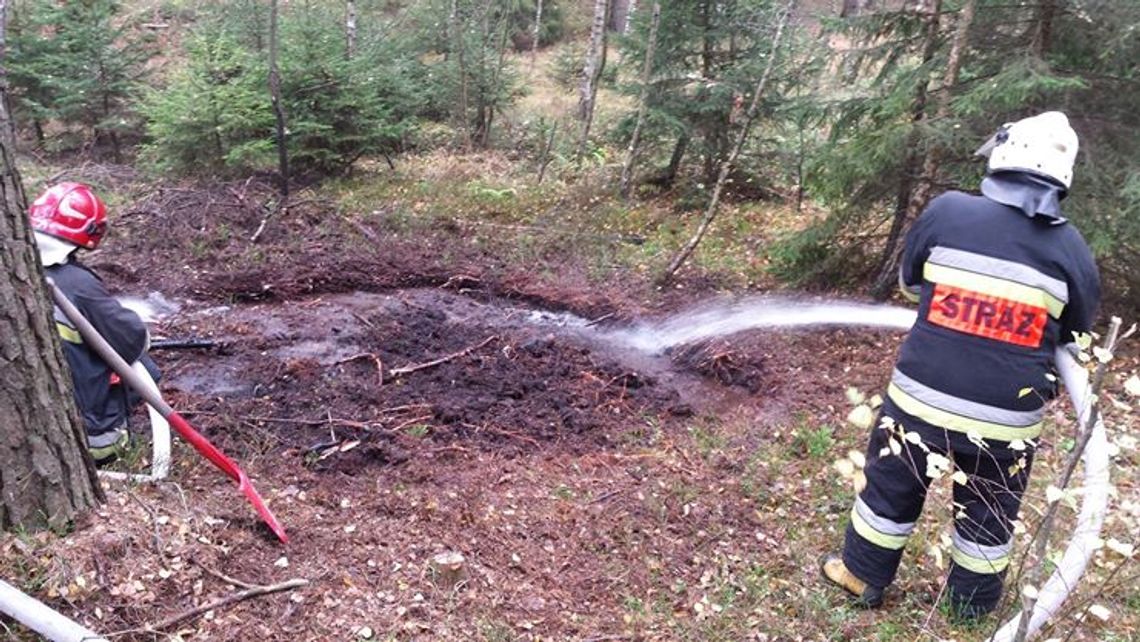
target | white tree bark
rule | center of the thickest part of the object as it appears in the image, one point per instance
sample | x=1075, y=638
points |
x=350, y=29
x=643, y=101
x=595, y=61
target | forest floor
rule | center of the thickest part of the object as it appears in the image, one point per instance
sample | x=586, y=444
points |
x=407, y=367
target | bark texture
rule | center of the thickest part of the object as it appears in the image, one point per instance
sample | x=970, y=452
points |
x=595, y=62
x=350, y=29
x=278, y=109
x=643, y=101
x=46, y=477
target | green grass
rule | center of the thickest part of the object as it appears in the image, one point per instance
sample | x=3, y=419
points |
x=817, y=443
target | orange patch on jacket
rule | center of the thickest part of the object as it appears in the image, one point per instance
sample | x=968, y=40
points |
x=988, y=316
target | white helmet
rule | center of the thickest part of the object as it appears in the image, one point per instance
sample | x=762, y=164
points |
x=1044, y=144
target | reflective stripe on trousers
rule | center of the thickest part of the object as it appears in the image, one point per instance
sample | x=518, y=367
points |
x=886, y=510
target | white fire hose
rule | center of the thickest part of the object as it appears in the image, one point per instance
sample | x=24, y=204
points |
x=1086, y=535
x=42, y=619
x=159, y=439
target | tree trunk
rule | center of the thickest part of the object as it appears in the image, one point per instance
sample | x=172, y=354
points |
x=1043, y=34
x=595, y=60
x=885, y=278
x=726, y=166
x=275, y=96
x=349, y=29
x=674, y=168
x=460, y=45
x=46, y=477
x=643, y=101
x=618, y=16
x=537, y=30
x=630, y=9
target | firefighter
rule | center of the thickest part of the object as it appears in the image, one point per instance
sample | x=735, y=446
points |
x=1001, y=280
x=65, y=218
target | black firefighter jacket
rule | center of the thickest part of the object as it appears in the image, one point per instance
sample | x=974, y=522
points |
x=104, y=407
x=998, y=291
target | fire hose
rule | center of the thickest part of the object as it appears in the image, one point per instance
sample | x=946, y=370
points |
x=1086, y=535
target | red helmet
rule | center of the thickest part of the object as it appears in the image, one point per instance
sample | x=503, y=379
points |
x=72, y=212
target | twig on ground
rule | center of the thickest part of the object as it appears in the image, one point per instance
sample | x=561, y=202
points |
x=153, y=521
x=606, y=495
x=281, y=208
x=460, y=279
x=348, y=423
x=223, y=577
x=375, y=359
x=599, y=319
x=364, y=231
x=256, y=591
x=409, y=422
x=505, y=433
x=435, y=362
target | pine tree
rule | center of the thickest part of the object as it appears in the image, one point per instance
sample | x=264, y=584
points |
x=1019, y=59
x=80, y=64
x=707, y=59
x=213, y=116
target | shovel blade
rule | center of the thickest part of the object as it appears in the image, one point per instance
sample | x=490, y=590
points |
x=267, y=516
x=231, y=469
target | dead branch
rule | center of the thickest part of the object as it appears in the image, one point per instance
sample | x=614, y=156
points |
x=223, y=577
x=364, y=231
x=374, y=358
x=153, y=521
x=599, y=319
x=282, y=208
x=435, y=362
x=459, y=279
x=256, y=591
x=348, y=423
x=413, y=420
x=504, y=433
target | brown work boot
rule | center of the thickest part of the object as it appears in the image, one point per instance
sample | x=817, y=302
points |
x=866, y=596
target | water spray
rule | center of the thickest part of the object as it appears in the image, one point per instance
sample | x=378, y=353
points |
x=728, y=317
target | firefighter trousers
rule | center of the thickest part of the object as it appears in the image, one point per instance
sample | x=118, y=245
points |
x=898, y=476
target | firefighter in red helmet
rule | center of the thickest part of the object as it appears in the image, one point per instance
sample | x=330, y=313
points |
x=64, y=219
x=1001, y=280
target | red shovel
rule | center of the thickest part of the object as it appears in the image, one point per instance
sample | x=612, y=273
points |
x=97, y=343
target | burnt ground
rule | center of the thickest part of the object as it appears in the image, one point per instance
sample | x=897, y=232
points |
x=395, y=396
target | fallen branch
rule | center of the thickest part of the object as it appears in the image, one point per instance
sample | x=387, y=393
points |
x=364, y=231
x=153, y=521
x=375, y=359
x=223, y=577
x=240, y=596
x=348, y=423
x=431, y=364
x=504, y=433
x=413, y=420
x=599, y=319
x=281, y=208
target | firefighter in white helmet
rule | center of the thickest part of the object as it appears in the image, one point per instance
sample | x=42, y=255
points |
x=1001, y=280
